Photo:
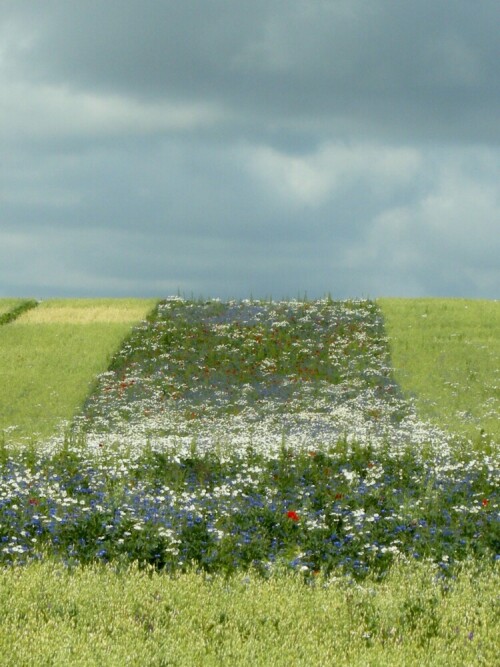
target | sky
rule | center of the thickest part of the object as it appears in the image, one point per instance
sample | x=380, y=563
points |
x=250, y=148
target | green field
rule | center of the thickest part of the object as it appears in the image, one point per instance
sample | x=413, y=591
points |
x=445, y=354
x=50, y=356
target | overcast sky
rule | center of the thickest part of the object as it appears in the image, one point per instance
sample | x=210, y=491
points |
x=237, y=148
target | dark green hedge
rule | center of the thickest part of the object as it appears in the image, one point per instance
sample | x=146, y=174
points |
x=18, y=310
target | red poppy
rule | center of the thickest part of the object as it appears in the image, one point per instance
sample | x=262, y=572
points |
x=484, y=502
x=33, y=501
x=293, y=515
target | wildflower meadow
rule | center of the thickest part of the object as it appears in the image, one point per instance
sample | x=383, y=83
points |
x=248, y=434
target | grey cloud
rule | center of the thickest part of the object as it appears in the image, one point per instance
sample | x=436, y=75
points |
x=403, y=69
x=272, y=147
x=439, y=241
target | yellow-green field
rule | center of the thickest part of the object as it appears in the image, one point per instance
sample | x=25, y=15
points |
x=98, y=617
x=88, y=311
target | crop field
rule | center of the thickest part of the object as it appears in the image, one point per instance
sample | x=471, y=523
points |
x=226, y=474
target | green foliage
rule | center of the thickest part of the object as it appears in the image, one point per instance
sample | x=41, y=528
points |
x=7, y=304
x=313, y=511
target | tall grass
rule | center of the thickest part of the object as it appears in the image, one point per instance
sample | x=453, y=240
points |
x=97, y=616
x=446, y=353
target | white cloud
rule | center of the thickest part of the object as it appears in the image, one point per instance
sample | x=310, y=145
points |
x=463, y=214
x=312, y=179
x=448, y=237
x=42, y=111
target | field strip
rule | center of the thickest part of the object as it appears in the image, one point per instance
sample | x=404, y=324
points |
x=85, y=311
x=50, y=356
x=446, y=353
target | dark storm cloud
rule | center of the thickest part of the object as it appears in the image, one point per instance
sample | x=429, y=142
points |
x=405, y=69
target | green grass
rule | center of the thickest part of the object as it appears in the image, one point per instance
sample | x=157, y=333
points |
x=96, y=616
x=50, y=355
x=446, y=353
